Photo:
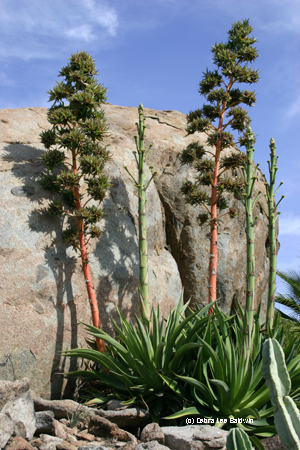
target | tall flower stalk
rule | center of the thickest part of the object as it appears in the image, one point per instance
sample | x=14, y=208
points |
x=249, y=175
x=78, y=126
x=272, y=216
x=218, y=87
x=140, y=157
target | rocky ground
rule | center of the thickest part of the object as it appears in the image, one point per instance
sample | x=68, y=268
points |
x=28, y=422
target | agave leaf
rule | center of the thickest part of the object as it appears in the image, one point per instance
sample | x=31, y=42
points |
x=242, y=385
x=170, y=340
x=294, y=366
x=248, y=413
x=129, y=402
x=198, y=369
x=220, y=347
x=216, y=364
x=90, y=374
x=188, y=412
x=258, y=399
x=207, y=381
x=232, y=371
x=201, y=387
x=257, y=377
x=155, y=329
x=96, y=401
x=224, y=397
x=195, y=328
x=174, y=385
x=180, y=353
x=159, y=356
x=147, y=354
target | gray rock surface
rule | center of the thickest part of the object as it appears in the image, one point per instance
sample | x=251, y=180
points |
x=6, y=429
x=152, y=432
x=17, y=404
x=44, y=422
x=67, y=408
x=93, y=447
x=273, y=443
x=126, y=417
x=42, y=285
x=152, y=445
x=195, y=437
x=49, y=442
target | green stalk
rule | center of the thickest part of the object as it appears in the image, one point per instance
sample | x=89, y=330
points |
x=270, y=197
x=143, y=255
x=249, y=178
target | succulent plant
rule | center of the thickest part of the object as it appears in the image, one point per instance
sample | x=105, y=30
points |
x=287, y=415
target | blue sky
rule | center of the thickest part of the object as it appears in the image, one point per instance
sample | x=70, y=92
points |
x=154, y=52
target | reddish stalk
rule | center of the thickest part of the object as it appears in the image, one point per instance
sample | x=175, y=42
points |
x=213, y=259
x=86, y=268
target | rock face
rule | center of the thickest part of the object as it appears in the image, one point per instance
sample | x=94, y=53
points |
x=43, y=297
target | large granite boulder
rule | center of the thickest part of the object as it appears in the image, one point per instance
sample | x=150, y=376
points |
x=43, y=297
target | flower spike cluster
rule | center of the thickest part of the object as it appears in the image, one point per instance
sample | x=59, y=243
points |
x=78, y=127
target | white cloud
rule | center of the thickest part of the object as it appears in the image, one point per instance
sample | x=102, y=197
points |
x=84, y=32
x=289, y=224
x=41, y=29
x=104, y=16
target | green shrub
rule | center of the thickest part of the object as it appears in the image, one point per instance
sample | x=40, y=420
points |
x=139, y=360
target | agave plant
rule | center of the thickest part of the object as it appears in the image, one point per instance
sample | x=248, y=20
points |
x=141, y=357
x=227, y=383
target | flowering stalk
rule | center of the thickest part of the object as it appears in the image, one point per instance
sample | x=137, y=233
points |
x=232, y=60
x=142, y=187
x=272, y=216
x=249, y=178
x=77, y=126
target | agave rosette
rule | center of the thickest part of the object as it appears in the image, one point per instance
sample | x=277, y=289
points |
x=137, y=360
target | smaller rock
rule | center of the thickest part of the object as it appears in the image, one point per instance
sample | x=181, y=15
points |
x=20, y=430
x=152, y=432
x=60, y=430
x=20, y=409
x=273, y=443
x=66, y=446
x=129, y=446
x=46, y=439
x=71, y=439
x=178, y=438
x=115, y=405
x=212, y=436
x=36, y=442
x=49, y=442
x=152, y=445
x=11, y=390
x=93, y=447
x=7, y=429
x=19, y=443
x=65, y=422
x=84, y=435
x=99, y=426
x=44, y=422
